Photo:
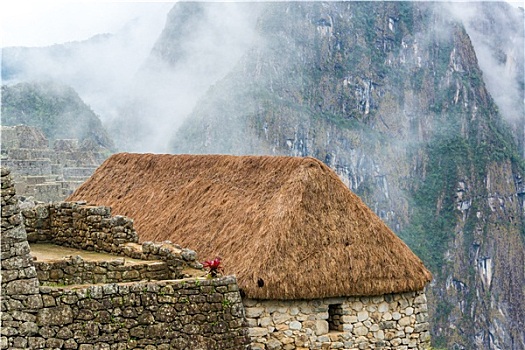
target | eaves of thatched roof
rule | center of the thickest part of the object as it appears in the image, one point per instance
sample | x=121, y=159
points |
x=287, y=227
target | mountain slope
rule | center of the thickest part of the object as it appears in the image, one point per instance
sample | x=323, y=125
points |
x=55, y=109
x=392, y=97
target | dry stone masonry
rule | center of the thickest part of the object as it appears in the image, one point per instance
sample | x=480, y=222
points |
x=183, y=314
x=394, y=322
x=93, y=228
x=20, y=298
x=79, y=226
x=43, y=172
x=73, y=270
x=154, y=313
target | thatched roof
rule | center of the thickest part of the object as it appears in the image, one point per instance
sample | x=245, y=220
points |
x=287, y=227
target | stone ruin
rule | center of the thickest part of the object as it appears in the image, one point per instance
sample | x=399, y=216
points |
x=75, y=303
x=43, y=172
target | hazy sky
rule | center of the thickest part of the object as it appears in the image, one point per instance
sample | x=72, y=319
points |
x=42, y=23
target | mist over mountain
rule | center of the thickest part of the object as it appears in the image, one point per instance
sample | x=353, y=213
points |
x=199, y=45
x=417, y=106
x=497, y=34
x=55, y=109
x=100, y=69
x=392, y=97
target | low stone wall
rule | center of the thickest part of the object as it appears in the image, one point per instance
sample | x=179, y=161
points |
x=50, y=190
x=34, y=167
x=397, y=322
x=28, y=154
x=79, y=172
x=75, y=270
x=79, y=226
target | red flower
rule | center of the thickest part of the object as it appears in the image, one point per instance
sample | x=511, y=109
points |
x=213, y=266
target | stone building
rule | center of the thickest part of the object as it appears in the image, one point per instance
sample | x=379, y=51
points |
x=316, y=267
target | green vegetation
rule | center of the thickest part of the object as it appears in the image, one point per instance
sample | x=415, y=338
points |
x=55, y=109
x=416, y=79
x=405, y=9
x=226, y=303
x=451, y=157
x=433, y=218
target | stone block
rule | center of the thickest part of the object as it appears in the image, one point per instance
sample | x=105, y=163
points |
x=35, y=343
x=420, y=299
x=362, y=315
x=255, y=332
x=360, y=331
x=404, y=321
x=265, y=321
x=54, y=343
x=321, y=327
x=278, y=317
x=295, y=325
x=55, y=316
x=273, y=344
x=349, y=319
x=383, y=307
x=22, y=287
x=357, y=306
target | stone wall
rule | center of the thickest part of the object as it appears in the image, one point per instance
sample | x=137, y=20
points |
x=395, y=322
x=31, y=167
x=79, y=226
x=183, y=314
x=192, y=313
x=75, y=270
x=93, y=228
x=20, y=294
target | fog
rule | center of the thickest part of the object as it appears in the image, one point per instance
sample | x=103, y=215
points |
x=100, y=69
x=145, y=79
x=497, y=34
x=201, y=43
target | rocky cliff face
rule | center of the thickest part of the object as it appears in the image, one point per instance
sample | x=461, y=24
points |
x=391, y=96
x=498, y=36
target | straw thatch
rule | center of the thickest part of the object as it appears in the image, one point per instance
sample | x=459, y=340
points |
x=286, y=226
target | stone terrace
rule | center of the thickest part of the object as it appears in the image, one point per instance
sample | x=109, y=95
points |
x=43, y=172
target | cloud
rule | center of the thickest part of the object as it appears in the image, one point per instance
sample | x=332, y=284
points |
x=99, y=69
x=42, y=23
x=497, y=34
x=134, y=91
